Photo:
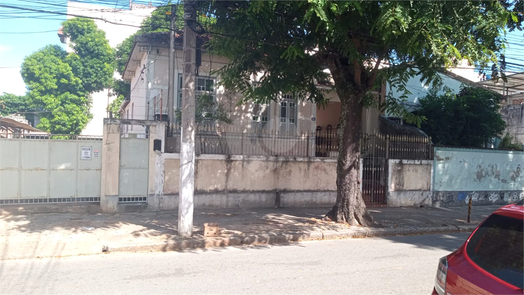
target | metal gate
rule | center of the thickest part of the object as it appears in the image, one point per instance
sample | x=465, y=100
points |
x=50, y=169
x=374, y=176
x=134, y=170
x=376, y=150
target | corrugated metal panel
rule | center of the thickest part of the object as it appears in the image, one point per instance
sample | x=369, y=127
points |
x=49, y=171
x=134, y=169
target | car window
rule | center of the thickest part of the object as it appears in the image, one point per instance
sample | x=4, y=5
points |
x=497, y=247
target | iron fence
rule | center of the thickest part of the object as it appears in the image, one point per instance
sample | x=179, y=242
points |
x=231, y=141
x=6, y=135
x=396, y=146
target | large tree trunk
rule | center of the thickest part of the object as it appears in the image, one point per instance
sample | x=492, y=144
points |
x=349, y=206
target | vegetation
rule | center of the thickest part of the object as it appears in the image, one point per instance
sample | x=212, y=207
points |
x=293, y=42
x=508, y=142
x=469, y=119
x=10, y=104
x=121, y=90
x=59, y=83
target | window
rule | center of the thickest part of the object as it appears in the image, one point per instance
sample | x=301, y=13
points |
x=260, y=115
x=496, y=247
x=288, y=114
x=205, y=97
x=204, y=86
x=179, y=92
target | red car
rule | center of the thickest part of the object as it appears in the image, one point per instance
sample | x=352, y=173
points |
x=490, y=261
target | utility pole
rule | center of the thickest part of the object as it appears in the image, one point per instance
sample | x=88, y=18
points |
x=171, y=84
x=187, y=146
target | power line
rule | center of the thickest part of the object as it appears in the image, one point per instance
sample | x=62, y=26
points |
x=68, y=14
x=36, y=32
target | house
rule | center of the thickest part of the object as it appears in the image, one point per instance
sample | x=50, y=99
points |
x=147, y=72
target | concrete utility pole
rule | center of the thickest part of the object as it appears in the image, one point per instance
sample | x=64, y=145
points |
x=171, y=84
x=187, y=146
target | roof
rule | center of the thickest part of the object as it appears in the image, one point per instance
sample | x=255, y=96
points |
x=514, y=84
x=143, y=43
x=6, y=123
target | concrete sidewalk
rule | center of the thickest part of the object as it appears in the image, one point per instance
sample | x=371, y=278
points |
x=26, y=234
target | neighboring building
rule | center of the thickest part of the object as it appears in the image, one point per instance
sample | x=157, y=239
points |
x=419, y=89
x=118, y=25
x=513, y=111
x=16, y=124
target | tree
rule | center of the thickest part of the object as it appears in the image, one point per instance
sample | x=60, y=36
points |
x=293, y=42
x=10, y=104
x=59, y=83
x=469, y=119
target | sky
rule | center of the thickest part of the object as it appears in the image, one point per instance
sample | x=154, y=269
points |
x=23, y=32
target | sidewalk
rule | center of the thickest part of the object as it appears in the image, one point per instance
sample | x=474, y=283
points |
x=25, y=234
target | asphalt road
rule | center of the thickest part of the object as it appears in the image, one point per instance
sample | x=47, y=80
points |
x=391, y=265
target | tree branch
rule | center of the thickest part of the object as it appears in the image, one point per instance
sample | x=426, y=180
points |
x=374, y=72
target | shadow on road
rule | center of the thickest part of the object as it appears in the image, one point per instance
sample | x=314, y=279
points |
x=449, y=242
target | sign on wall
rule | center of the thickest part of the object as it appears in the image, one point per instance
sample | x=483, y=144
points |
x=86, y=153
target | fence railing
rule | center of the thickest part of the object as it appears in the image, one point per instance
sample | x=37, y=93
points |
x=37, y=136
x=396, y=146
x=249, y=143
x=232, y=140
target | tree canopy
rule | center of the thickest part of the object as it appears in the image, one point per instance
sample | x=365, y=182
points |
x=59, y=83
x=361, y=43
x=470, y=118
x=10, y=104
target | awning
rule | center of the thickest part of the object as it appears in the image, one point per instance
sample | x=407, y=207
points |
x=513, y=85
x=13, y=125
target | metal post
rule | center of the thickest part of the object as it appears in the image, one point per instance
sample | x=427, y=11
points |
x=171, y=84
x=386, y=136
x=469, y=209
x=161, y=103
x=242, y=143
x=187, y=142
x=307, y=145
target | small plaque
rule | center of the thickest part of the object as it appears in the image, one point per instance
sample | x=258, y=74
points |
x=86, y=153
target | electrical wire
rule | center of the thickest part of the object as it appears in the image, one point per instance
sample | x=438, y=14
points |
x=35, y=32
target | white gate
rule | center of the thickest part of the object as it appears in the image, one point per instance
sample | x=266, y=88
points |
x=49, y=169
x=134, y=170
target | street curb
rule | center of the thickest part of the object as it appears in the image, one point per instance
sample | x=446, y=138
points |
x=187, y=244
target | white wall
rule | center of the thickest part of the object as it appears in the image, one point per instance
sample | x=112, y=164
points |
x=118, y=25
x=419, y=90
x=478, y=170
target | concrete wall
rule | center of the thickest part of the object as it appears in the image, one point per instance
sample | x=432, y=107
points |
x=328, y=115
x=486, y=176
x=513, y=115
x=409, y=182
x=241, y=181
